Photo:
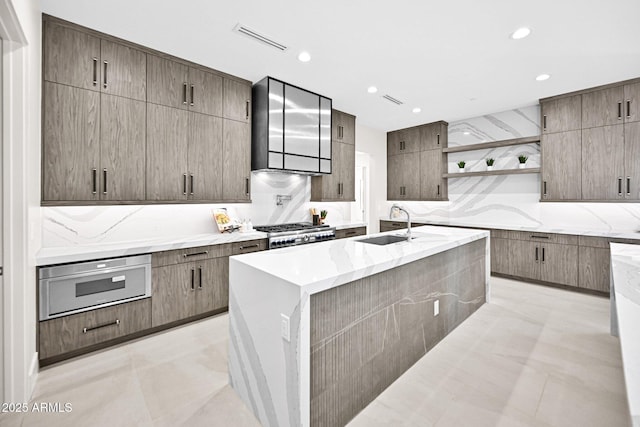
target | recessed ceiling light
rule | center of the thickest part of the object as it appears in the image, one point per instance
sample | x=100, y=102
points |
x=417, y=110
x=465, y=133
x=543, y=77
x=372, y=89
x=304, y=57
x=520, y=33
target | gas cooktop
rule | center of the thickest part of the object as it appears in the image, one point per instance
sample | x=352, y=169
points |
x=298, y=233
x=295, y=226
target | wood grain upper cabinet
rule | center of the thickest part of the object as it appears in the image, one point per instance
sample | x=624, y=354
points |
x=632, y=102
x=563, y=114
x=205, y=92
x=603, y=163
x=123, y=71
x=433, y=136
x=71, y=57
x=71, y=143
x=237, y=100
x=432, y=184
x=166, y=167
x=403, y=182
x=394, y=177
x=562, y=166
x=343, y=127
x=167, y=82
x=204, y=157
x=602, y=107
x=632, y=160
x=236, y=152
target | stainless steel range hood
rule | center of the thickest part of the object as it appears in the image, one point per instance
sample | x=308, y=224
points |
x=291, y=129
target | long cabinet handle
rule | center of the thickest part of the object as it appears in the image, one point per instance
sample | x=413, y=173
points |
x=619, y=186
x=200, y=278
x=249, y=247
x=438, y=193
x=193, y=279
x=628, y=186
x=104, y=78
x=191, y=183
x=438, y=139
x=192, y=87
x=195, y=254
x=95, y=71
x=104, y=181
x=246, y=108
x=544, y=188
x=628, y=108
x=620, y=110
x=184, y=184
x=94, y=180
x=104, y=325
x=246, y=186
x=184, y=93
x=543, y=254
x=537, y=259
x=533, y=236
x=544, y=122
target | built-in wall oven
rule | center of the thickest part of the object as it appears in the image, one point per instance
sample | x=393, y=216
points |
x=73, y=288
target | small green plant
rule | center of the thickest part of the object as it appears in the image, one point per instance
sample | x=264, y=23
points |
x=490, y=161
x=323, y=214
x=522, y=158
x=461, y=164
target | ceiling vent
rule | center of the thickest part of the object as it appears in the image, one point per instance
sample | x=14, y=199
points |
x=242, y=29
x=392, y=99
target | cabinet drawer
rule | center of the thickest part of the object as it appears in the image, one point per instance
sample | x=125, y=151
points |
x=625, y=241
x=200, y=253
x=249, y=246
x=593, y=242
x=69, y=333
x=500, y=234
x=351, y=232
x=565, y=239
x=392, y=225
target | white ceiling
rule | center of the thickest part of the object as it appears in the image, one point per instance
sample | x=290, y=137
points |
x=453, y=59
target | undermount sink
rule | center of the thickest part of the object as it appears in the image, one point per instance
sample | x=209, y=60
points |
x=384, y=240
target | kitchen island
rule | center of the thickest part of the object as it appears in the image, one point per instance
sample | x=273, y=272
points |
x=318, y=331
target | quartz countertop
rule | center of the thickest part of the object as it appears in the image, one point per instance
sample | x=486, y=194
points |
x=78, y=253
x=541, y=229
x=329, y=264
x=625, y=268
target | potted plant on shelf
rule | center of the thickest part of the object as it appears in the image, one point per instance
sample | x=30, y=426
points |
x=522, y=159
x=490, y=164
x=461, y=166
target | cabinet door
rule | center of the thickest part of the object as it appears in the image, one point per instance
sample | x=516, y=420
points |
x=167, y=132
x=124, y=71
x=122, y=148
x=432, y=136
x=336, y=125
x=411, y=176
x=71, y=57
x=632, y=160
x=173, y=296
x=602, y=107
x=562, y=114
x=212, y=285
x=205, y=157
x=237, y=101
x=559, y=264
x=328, y=187
x=431, y=175
x=603, y=163
x=205, y=92
x=70, y=134
x=167, y=82
x=562, y=166
x=632, y=103
x=524, y=259
x=347, y=165
x=394, y=177
x=500, y=256
x=344, y=128
x=411, y=139
x=594, y=268
x=393, y=143
x=236, y=170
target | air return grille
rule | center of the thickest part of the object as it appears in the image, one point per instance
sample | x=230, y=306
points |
x=244, y=30
x=392, y=99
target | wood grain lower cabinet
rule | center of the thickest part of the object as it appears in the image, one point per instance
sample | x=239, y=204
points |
x=90, y=328
x=594, y=270
x=388, y=225
x=351, y=232
x=559, y=264
x=524, y=257
x=212, y=290
x=500, y=259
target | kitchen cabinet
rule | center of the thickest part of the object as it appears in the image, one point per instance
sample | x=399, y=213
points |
x=351, y=232
x=91, y=329
x=562, y=166
x=602, y=107
x=340, y=184
x=237, y=101
x=631, y=102
x=433, y=136
x=525, y=259
x=404, y=141
x=123, y=71
x=403, y=181
x=204, y=160
x=603, y=163
x=594, y=271
x=388, y=225
x=236, y=155
x=561, y=114
x=631, y=175
x=559, y=263
x=500, y=258
x=432, y=186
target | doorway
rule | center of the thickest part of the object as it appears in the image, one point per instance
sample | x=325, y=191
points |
x=359, y=209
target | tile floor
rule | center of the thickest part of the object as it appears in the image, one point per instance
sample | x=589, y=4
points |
x=535, y=356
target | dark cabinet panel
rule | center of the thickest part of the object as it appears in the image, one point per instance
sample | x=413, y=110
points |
x=236, y=170
x=237, y=101
x=562, y=166
x=167, y=82
x=602, y=107
x=563, y=114
x=603, y=163
x=205, y=92
x=173, y=293
x=559, y=264
x=594, y=271
x=124, y=71
x=205, y=157
x=432, y=185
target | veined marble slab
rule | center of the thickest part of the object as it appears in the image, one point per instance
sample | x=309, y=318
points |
x=539, y=228
x=625, y=274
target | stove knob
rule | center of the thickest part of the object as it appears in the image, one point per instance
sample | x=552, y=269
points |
x=306, y=238
x=291, y=241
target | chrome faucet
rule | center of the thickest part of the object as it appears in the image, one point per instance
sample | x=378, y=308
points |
x=400, y=208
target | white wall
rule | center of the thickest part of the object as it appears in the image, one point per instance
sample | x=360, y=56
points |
x=21, y=169
x=374, y=143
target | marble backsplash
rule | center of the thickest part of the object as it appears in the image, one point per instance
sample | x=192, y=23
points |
x=82, y=225
x=512, y=199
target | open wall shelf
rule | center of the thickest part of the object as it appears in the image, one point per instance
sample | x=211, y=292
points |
x=493, y=144
x=494, y=172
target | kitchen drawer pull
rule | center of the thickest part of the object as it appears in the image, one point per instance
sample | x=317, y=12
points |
x=438, y=190
x=628, y=108
x=191, y=182
x=104, y=181
x=543, y=254
x=249, y=247
x=195, y=254
x=95, y=71
x=628, y=186
x=533, y=236
x=246, y=186
x=438, y=139
x=184, y=93
x=544, y=188
x=104, y=78
x=350, y=233
x=200, y=278
x=192, y=87
x=184, y=184
x=620, y=186
x=93, y=328
x=619, y=110
x=247, y=110
x=193, y=279
x=94, y=180
x=544, y=122
x=537, y=259
x=396, y=224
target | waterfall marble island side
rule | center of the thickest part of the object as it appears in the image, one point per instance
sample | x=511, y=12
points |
x=318, y=331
